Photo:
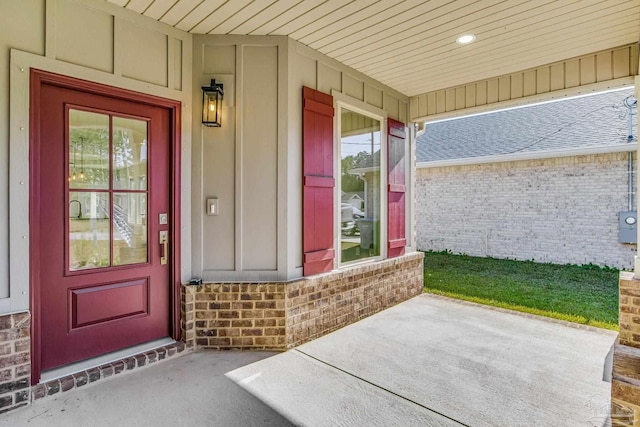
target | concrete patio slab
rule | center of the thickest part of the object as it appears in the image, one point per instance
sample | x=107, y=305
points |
x=427, y=362
x=471, y=364
x=311, y=393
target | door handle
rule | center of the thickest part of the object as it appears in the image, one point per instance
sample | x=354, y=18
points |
x=164, y=244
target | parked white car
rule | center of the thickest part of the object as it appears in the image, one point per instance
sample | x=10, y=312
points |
x=349, y=216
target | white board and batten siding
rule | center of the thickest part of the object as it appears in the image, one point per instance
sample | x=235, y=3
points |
x=252, y=164
x=90, y=40
x=239, y=162
x=598, y=71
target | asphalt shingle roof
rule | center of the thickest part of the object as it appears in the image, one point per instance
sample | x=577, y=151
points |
x=596, y=120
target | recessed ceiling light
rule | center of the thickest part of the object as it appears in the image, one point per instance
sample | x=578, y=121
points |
x=465, y=39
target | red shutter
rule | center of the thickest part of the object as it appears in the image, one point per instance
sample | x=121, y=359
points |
x=318, y=182
x=397, y=188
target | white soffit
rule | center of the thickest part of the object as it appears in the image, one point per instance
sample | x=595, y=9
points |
x=411, y=45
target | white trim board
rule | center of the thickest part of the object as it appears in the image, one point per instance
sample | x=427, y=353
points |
x=618, y=148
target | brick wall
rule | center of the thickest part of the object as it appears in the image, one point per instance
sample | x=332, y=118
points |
x=560, y=210
x=234, y=315
x=629, y=305
x=625, y=384
x=278, y=316
x=15, y=360
x=321, y=304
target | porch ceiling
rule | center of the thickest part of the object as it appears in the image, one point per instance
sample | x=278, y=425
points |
x=410, y=45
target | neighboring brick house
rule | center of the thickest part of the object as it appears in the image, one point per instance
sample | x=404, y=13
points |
x=544, y=183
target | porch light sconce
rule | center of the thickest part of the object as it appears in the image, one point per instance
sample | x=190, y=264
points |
x=212, y=104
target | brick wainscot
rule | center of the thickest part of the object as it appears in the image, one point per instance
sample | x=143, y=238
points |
x=625, y=384
x=15, y=360
x=280, y=316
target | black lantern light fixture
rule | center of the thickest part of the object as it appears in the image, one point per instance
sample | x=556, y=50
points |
x=212, y=104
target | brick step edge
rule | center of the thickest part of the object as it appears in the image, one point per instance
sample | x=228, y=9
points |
x=82, y=378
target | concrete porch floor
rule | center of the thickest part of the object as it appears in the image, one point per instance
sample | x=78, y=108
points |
x=426, y=362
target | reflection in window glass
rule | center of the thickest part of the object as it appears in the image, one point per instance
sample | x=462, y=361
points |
x=360, y=186
x=88, y=150
x=129, y=154
x=129, y=228
x=89, y=239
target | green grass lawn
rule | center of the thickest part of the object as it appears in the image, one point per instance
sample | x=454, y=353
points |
x=581, y=294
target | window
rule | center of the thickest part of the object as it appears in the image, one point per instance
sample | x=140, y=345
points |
x=360, y=189
x=353, y=186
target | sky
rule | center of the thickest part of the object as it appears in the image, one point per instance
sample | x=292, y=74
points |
x=352, y=145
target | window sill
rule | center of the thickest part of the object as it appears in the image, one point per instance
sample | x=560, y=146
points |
x=360, y=262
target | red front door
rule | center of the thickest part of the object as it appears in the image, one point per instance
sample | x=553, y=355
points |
x=103, y=187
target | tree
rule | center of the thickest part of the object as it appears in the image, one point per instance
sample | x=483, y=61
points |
x=352, y=183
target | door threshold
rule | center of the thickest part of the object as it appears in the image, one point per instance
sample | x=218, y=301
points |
x=84, y=365
x=126, y=360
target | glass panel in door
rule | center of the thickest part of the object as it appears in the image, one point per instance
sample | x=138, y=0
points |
x=88, y=150
x=107, y=224
x=88, y=230
x=129, y=228
x=129, y=154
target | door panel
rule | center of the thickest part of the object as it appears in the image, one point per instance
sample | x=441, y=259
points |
x=99, y=304
x=104, y=179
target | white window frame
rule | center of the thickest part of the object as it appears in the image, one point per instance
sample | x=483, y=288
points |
x=343, y=101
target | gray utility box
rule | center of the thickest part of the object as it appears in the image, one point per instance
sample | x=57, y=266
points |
x=627, y=225
x=366, y=232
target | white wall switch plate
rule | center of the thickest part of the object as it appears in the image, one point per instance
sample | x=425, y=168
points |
x=213, y=207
